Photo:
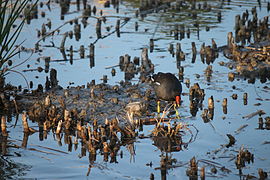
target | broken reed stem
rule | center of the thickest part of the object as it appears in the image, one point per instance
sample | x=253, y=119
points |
x=66, y=115
x=224, y=102
x=47, y=101
x=67, y=22
x=16, y=106
x=81, y=17
x=45, y=127
x=112, y=32
x=58, y=130
x=211, y=103
x=4, y=126
x=62, y=46
x=89, y=131
x=202, y=173
x=25, y=123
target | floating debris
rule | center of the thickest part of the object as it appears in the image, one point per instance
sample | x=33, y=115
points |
x=196, y=97
x=259, y=112
x=192, y=171
x=250, y=61
x=231, y=141
x=262, y=175
x=3, y=126
x=241, y=128
x=243, y=156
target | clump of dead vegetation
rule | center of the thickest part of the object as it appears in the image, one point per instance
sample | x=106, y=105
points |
x=249, y=61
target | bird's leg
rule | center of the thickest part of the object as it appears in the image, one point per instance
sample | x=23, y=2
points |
x=158, y=106
x=176, y=111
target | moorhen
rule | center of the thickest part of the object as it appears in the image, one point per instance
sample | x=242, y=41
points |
x=167, y=87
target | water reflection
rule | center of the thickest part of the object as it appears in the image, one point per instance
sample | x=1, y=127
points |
x=107, y=140
x=8, y=169
x=192, y=13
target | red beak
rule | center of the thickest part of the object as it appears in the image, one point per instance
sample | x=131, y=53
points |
x=178, y=99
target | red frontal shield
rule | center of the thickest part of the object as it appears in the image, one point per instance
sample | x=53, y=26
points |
x=178, y=99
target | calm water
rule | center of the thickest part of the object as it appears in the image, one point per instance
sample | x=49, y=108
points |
x=211, y=136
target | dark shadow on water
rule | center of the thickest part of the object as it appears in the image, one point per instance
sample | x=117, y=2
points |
x=8, y=168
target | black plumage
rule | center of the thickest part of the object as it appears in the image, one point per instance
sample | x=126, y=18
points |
x=167, y=87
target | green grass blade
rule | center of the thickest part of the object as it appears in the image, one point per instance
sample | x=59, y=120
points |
x=13, y=16
x=5, y=35
x=2, y=15
x=12, y=41
x=9, y=35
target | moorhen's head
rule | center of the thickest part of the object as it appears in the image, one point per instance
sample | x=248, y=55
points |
x=154, y=79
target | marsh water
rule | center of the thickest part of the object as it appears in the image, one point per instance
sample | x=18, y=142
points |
x=53, y=158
